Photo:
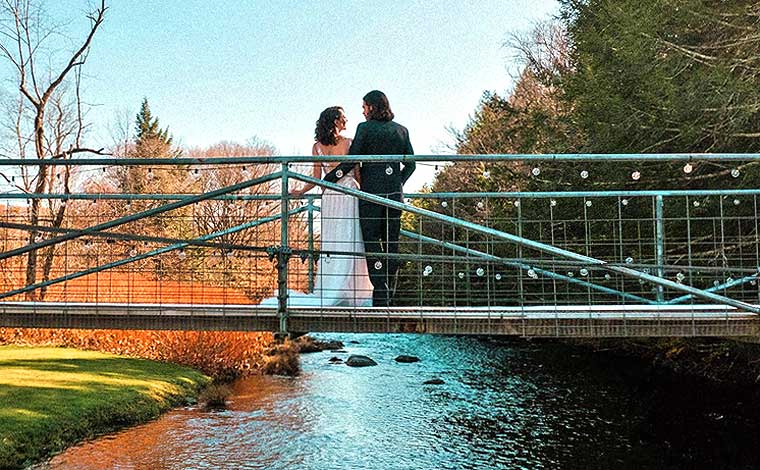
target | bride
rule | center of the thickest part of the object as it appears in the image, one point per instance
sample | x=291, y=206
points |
x=342, y=279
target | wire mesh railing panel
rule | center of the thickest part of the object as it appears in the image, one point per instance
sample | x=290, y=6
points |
x=138, y=248
x=712, y=249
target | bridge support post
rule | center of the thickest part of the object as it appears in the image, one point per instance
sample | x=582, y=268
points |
x=283, y=255
x=310, y=209
x=659, y=244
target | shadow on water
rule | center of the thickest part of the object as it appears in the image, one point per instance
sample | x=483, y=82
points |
x=504, y=404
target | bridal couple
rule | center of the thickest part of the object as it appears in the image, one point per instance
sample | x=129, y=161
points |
x=352, y=225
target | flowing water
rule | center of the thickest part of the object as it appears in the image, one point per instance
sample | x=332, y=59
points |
x=504, y=405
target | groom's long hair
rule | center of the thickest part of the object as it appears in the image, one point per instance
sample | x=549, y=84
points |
x=381, y=108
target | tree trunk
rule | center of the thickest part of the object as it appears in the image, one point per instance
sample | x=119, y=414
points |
x=39, y=146
x=57, y=223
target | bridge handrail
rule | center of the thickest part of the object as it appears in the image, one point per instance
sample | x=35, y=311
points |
x=281, y=159
x=436, y=195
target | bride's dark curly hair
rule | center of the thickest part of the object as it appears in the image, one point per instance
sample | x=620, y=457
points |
x=325, y=132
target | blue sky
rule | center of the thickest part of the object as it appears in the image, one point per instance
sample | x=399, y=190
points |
x=232, y=70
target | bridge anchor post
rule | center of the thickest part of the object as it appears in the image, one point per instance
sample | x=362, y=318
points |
x=283, y=255
x=660, y=245
x=283, y=252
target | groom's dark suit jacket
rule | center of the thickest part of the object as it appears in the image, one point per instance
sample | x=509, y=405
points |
x=379, y=138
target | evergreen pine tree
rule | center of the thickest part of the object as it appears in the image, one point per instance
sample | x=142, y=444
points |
x=150, y=139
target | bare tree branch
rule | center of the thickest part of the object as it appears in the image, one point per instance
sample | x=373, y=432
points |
x=97, y=21
x=72, y=151
x=54, y=120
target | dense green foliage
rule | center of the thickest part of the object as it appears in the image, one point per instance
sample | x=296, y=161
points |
x=626, y=76
x=665, y=75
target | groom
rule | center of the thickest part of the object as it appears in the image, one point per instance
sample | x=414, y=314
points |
x=379, y=135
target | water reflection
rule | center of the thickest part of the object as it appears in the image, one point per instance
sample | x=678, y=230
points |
x=247, y=435
x=503, y=405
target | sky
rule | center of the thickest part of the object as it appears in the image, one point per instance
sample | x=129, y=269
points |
x=233, y=70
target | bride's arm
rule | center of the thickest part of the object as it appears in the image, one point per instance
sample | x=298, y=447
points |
x=316, y=172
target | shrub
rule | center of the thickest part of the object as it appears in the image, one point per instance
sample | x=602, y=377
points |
x=283, y=360
x=215, y=396
x=221, y=354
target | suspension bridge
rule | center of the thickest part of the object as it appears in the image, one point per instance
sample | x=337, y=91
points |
x=588, y=258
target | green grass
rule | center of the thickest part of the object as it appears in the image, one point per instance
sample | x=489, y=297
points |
x=51, y=398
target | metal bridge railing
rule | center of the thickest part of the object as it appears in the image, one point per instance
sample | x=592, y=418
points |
x=239, y=239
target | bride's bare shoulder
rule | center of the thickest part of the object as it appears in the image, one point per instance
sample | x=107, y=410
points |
x=347, y=144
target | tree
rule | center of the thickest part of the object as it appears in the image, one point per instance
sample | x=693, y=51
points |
x=626, y=77
x=150, y=140
x=532, y=118
x=248, y=270
x=665, y=76
x=669, y=77
x=47, y=117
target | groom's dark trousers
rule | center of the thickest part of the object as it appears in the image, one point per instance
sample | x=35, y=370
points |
x=380, y=224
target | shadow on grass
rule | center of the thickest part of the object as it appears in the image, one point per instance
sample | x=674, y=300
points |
x=138, y=369
x=49, y=404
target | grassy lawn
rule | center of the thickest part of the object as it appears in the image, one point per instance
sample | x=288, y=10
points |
x=51, y=397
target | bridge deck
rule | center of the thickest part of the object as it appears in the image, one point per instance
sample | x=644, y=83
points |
x=534, y=321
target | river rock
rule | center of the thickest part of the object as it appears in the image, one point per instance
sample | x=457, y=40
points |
x=407, y=359
x=332, y=344
x=359, y=361
x=435, y=381
x=339, y=351
x=307, y=344
x=335, y=360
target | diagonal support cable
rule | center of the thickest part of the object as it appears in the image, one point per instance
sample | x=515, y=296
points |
x=149, y=254
x=549, y=274
x=628, y=272
x=726, y=285
x=140, y=215
x=129, y=237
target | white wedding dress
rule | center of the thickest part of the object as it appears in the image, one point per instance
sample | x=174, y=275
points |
x=340, y=280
